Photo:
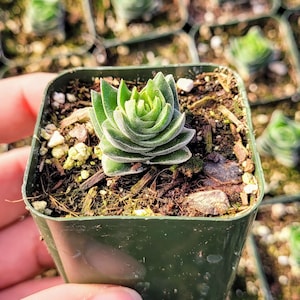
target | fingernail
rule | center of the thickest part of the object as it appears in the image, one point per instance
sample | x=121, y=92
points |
x=117, y=293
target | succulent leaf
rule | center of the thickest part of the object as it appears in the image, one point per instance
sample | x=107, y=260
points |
x=119, y=155
x=114, y=168
x=172, y=158
x=140, y=126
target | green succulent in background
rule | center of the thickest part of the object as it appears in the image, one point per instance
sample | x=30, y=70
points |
x=143, y=127
x=45, y=16
x=250, y=53
x=295, y=242
x=281, y=139
x=128, y=10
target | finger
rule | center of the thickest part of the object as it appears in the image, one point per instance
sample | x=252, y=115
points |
x=29, y=287
x=86, y=291
x=12, y=166
x=20, y=101
x=25, y=253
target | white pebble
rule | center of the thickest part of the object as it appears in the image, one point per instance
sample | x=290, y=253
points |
x=283, y=260
x=71, y=98
x=263, y=230
x=39, y=205
x=279, y=68
x=59, y=151
x=250, y=188
x=278, y=211
x=262, y=119
x=56, y=139
x=283, y=279
x=59, y=97
x=216, y=42
x=185, y=84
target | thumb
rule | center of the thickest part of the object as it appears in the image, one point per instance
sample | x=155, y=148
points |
x=74, y=291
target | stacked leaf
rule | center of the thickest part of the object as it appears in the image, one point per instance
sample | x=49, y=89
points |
x=144, y=127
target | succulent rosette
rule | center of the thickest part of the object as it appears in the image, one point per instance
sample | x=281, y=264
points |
x=250, y=53
x=143, y=127
x=45, y=16
x=133, y=9
x=281, y=139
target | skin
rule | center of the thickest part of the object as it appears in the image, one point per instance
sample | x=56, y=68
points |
x=26, y=255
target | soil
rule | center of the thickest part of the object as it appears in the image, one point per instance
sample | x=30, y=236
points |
x=50, y=64
x=280, y=80
x=165, y=50
x=226, y=11
x=220, y=150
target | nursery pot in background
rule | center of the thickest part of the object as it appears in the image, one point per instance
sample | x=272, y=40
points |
x=161, y=257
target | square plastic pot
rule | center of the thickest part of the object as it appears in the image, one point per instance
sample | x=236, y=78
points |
x=161, y=257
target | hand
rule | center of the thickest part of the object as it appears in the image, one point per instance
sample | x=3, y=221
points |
x=23, y=254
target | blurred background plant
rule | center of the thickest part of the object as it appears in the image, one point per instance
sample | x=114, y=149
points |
x=250, y=53
x=281, y=139
x=128, y=10
x=45, y=17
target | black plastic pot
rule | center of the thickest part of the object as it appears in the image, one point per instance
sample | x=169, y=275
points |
x=161, y=257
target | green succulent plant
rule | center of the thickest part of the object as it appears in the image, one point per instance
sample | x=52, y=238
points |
x=128, y=10
x=250, y=53
x=44, y=16
x=143, y=127
x=295, y=242
x=281, y=139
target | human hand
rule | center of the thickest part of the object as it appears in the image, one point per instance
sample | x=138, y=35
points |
x=23, y=254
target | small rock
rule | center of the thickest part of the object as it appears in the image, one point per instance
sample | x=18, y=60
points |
x=39, y=205
x=79, y=132
x=262, y=230
x=279, y=68
x=216, y=42
x=213, y=202
x=283, y=260
x=278, y=211
x=222, y=170
x=185, y=84
x=56, y=139
x=284, y=280
x=59, y=97
x=71, y=97
x=250, y=188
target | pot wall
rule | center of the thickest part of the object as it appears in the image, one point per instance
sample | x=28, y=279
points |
x=162, y=258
